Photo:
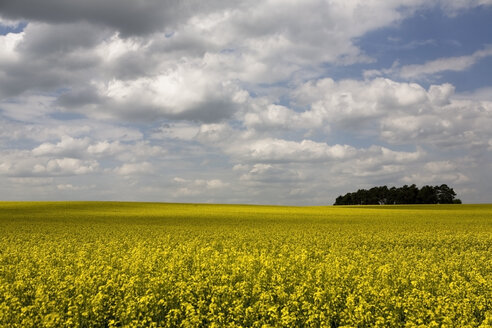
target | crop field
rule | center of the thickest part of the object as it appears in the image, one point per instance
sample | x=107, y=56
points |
x=108, y=264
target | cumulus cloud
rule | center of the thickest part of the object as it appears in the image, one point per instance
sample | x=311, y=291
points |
x=21, y=164
x=181, y=94
x=67, y=146
x=351, y=102
x=398, y=112
x=459, y=124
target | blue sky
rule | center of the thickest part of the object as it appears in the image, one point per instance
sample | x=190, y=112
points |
x=431, y=34
x=266, y=102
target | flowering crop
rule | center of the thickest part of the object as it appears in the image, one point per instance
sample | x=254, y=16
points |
x=91, y=264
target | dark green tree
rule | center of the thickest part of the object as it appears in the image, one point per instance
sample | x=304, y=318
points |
x=404, y=195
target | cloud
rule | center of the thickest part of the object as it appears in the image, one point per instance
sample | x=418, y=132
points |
x=277, y=150
x=21, y=164
x=86, y=148
x=268, y=117
x=135, y=169
x=265, y=174
x=186, y=93
x=454, y=7
x=68, y=44
x=28, y=108
x=397, y=112
x=50, y=129
x=357, y=105
x=65, y=166
x=180, y=60
x=180, y=131
x=68, y=146
x=8, y=44
x=194, y=187
x=461, y=124
x=70, y=187
x=127, y=16
x=31, y=181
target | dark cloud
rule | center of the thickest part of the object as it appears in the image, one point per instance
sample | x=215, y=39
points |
x=129, y=17
x=44, y=40
x=206, y=111
x=79, y=97
x=51, y=57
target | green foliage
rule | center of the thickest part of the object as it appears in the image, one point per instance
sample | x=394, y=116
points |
x=174, y=265
x=404, y=195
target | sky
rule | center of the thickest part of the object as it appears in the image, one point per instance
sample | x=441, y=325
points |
x=260, y=102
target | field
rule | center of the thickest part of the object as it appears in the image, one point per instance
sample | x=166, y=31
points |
x=103, y=264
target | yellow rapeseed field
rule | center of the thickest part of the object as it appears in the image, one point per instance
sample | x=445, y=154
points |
x=108, y=264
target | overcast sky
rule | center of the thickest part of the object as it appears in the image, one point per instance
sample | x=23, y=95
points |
x=266, y=102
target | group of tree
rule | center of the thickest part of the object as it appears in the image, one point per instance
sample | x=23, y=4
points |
x=404, y=195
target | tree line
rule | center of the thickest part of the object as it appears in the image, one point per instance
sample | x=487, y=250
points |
x=403, y=195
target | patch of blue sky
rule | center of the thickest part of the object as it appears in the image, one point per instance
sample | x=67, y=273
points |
x=338, y=133
x=476, y=77
x=428, y=35
x=5, y=29
x=353, y=72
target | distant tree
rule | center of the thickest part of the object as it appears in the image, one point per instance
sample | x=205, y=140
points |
x=445, y=195
x=404, y=195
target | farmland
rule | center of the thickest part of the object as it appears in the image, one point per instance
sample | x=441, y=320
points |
x=110, y=264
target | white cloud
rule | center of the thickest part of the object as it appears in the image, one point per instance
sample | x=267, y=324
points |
x=65, y=166
x=21, y=163
x=194, y=187
x=278, y=150
x=264, y=174
x=440, y=166
x=8, y=43
x=68, y=146
x=351, y=100
x=128, y=169
x=462, y=123
x=187, y=92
